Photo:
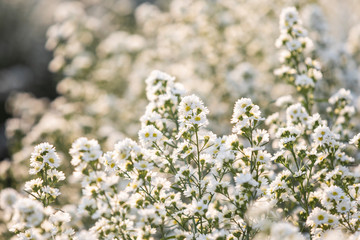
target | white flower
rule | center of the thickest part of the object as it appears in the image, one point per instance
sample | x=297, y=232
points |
x=155, y=82
x=110, y=160
x=286, y=231
x=322, y=135
x=260, y=137
x=53, y=192
x=245, y=112
x=296, y=113
x=30, y=210
x=299, y=31
x=85, y=150
x=42, y=148
x=127, y=147
x=240, y=109
x=343, y=206
x=293, y=45
x=8, y=197
x=304, y=81
x=143, y=165
x=334, y=193
x=149, y=135
x=287, y=135
x=199, y=206
x=288, y=17
x=245, y=178
x=29, y=234
x=52, y=159
x=86, y=203
x=192, y=114
x=342, y=94
x=43, y=153
x=355, y=140
x=317, y=217
x=53, y=173
x=59, y=217
x=263, y=157
x=284, y=100
x=33, y=185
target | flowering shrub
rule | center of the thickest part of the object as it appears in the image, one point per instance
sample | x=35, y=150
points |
x=226, y=46
x=290, y=175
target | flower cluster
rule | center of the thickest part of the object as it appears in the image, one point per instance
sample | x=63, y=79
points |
x=297, y=69
x=100, y=60
x=294, y=177
x=44, y=162
x=31, y=217
x=317, y=168
x=246, y=115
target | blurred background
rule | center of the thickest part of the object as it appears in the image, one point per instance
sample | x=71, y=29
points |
x=77, y=68
x=24, y=59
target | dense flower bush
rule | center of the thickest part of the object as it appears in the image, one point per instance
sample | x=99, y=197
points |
x=290, y=173
x=224, y=46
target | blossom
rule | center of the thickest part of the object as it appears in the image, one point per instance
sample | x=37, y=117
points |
x=293, y=45
x=341, y=95
x=180, y=179
x=149, y=135
x=296, y=113
x=52, y=159
x=288, y=17
x=245, y=178
x=318, y=217
x=143, y=165
x=322, y=135
x=284, y=230
x=43, y=153
x=155, y=83
x=59, y=218
x=55, y=175
x=244, y=115
x=355, y=140
x=53, y=192
x=343, y=207
x=34, y=185
x=304, y=81
x=192, y=112
x=260, y=136
x=8, y=196
x=85, y=150
x=30, y=211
